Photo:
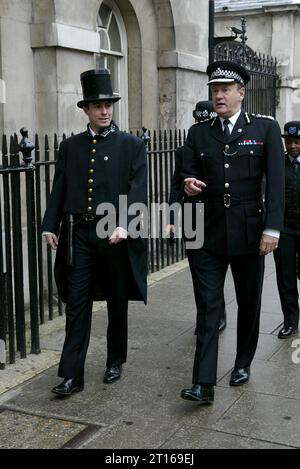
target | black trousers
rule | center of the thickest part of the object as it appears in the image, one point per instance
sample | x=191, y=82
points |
x=285, y=261
x=190, y=256
x=247, y=271
x=93, y=254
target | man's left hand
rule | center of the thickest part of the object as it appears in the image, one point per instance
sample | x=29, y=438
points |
x=267, y=244
x=119, y=234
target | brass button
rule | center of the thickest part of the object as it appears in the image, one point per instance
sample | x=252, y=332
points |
x=90, y=199
x=90, y=181
x=94, y=150
x=105, y=158
x=90, y=209
x=90, y=190
x=91, y=171
x=226, y=165
x=226, y=185
x=93, y=160
x=94, y=142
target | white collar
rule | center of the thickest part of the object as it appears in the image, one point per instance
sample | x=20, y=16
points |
x=293, y=158
x=231, y=119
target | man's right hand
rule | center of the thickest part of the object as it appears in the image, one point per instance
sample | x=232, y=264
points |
x=52, y=240
x=193, y=186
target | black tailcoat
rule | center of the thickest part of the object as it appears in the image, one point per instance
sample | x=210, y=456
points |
x=237, y=168
x=90, y=171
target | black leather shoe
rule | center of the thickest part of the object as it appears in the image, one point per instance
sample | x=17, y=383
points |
x=112, y=374
x=240, y=376
x=287, y=331
x=68, y=386
x=203, y=394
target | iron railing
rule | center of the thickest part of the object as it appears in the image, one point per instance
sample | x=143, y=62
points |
x=27, y=289
x=262, y=91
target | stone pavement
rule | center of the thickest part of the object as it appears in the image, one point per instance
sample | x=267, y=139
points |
x=144, y=409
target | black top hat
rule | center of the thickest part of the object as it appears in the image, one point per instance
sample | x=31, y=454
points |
x=292, y=129
x=225, y=71
x=96, y=86
x=204, y=111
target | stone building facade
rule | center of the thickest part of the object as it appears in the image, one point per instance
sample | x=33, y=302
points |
x=156, y=50
x=273, y=27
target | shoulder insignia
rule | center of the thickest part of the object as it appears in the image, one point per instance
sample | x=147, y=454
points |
x=262, y=116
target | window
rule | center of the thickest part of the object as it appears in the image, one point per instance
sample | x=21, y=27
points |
x=113, y=55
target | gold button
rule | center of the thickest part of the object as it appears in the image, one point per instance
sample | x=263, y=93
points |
x=94, y=150
x=90, y=199
x=91, y=181
x=226, y=165
x=94, y=142
x=91, y=171
x=226, y=185
x=90, y=209
x=91, y=190
x=93, y=160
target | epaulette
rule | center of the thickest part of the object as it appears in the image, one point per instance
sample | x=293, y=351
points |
x=262, y=116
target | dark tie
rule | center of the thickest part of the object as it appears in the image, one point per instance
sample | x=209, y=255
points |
x=226, y=129
x=296, y=161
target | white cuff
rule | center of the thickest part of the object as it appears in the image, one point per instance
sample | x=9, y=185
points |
x=274, y=233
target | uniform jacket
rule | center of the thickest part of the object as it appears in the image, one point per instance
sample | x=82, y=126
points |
x=90, y=171
x=233, y=172
x=177, y=193
x=292, y=198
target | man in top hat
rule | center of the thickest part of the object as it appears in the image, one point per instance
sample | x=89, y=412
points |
x=289, y=245
x=96, y=259
x=224, y=162
x=203, y=111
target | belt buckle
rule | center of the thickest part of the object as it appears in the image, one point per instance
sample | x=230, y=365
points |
x=227, y=200
x=89, y=217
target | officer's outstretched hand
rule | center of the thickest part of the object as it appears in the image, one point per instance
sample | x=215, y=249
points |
x=267, y=244
x=193, y=186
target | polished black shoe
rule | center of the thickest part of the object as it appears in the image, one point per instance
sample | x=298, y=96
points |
x=112, y=374
x=240, y=376
x=68, y=386
x=287, y=331
x=203, y=394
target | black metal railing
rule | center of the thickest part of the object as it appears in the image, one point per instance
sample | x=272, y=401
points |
x=27, y=290
x=262, y=92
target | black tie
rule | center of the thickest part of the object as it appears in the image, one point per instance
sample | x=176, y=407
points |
x=226, y=129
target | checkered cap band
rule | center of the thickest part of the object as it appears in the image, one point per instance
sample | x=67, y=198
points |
x=228, y=74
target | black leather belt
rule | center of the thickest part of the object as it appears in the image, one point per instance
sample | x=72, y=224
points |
x=85, y=217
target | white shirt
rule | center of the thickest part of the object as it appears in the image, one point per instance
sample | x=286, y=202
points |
x=232, y=121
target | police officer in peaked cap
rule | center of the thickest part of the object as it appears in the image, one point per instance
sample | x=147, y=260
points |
x=287, y=256
x=224, y=162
